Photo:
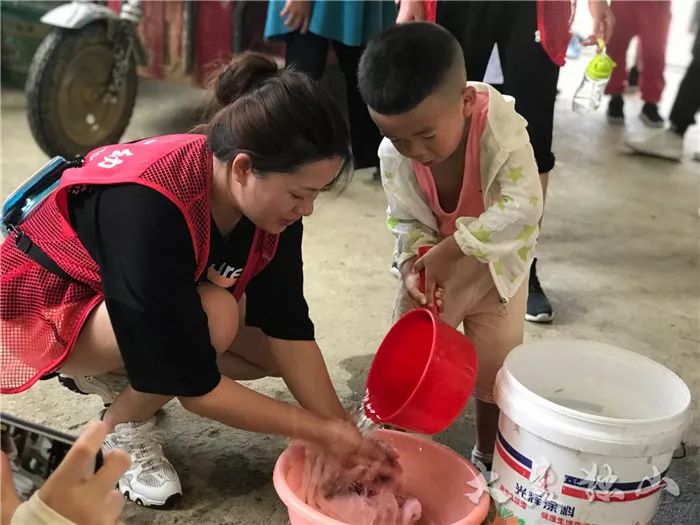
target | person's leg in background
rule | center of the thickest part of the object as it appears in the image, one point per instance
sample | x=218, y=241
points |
x=687, y=102
x=669, y=144
x=531, y=78
x=364, y=134
x=635, y=70
x=625, y=28
x=653, y=20
x=476, y=26
x=307, y=53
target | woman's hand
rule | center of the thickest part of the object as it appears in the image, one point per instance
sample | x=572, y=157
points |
x=342, y=439
x=298, y=14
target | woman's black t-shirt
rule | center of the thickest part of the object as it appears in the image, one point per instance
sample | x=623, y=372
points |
x=144, y=250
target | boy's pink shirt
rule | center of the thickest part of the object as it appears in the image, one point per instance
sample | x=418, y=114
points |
x=471, y=201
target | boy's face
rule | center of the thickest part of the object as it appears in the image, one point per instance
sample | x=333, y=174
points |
x=432, y=131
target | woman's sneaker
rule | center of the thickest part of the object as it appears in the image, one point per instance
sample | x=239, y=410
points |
x=107, y=386
x=151, y=480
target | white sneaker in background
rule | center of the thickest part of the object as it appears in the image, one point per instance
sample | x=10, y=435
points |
x=665, y=144
x=107, y=386
x=151, y=480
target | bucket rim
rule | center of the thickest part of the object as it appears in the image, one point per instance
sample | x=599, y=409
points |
x=583, y=416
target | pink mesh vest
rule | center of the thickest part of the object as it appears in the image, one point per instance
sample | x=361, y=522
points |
x=554, y=19
x=41, y=313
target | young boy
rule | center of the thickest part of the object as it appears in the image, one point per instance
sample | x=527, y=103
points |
x=460, y=175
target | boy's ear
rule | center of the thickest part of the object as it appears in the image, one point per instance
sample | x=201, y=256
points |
x=468, y=100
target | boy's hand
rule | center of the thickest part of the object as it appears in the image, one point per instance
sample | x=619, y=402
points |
x=411, y=280
x=438, y=265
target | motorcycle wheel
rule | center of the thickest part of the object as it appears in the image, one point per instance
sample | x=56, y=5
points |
x=68, y=110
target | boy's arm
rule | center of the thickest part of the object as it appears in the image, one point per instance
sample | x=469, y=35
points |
x=409, y=232
x=510, y=224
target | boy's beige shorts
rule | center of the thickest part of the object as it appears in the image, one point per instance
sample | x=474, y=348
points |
x=495, y=328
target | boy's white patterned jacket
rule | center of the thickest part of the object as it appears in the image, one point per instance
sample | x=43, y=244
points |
x=505, y=235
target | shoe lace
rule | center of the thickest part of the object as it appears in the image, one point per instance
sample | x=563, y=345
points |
x=145, y=445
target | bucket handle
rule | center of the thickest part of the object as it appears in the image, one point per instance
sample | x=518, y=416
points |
x=421, y=283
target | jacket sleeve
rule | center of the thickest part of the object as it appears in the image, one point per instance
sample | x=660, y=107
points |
x=35, y=512
x=511, y=223
x=410, y=233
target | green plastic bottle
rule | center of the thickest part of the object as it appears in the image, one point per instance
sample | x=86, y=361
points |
x=589, y=94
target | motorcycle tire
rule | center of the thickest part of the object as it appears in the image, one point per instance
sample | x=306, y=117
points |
x=68, y=110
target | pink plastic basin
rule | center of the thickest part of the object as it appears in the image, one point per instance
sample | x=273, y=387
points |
x=436, y=475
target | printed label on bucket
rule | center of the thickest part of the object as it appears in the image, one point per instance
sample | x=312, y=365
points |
x=532, y=494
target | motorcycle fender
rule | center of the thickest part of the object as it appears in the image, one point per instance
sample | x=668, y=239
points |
x=77, y=15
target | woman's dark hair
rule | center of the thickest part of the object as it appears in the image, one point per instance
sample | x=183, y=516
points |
x=281, y=118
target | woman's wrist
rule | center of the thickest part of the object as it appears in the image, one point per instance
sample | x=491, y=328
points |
x=308, y=425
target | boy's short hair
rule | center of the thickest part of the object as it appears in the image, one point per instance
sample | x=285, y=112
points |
x=405, y=64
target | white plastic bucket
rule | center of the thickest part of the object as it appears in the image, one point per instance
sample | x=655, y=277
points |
x=586, y=434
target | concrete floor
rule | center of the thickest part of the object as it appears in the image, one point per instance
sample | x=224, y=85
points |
x=619, y=258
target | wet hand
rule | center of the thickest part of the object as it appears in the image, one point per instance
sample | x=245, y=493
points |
x=298, y=14
x=361, y=454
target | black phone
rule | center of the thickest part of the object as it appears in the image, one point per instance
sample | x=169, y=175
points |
x=34, y=452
